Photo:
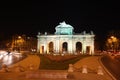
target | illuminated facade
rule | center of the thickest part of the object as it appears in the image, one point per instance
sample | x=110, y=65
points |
x=65, y=41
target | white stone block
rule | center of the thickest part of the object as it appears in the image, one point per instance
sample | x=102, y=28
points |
x=70, y=69
x=84, y=69
x=100, y=72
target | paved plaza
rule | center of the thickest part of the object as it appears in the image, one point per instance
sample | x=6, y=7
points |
x=91, y=63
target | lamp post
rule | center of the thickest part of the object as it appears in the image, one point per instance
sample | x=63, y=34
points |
x=113, y=43
x=20, y=42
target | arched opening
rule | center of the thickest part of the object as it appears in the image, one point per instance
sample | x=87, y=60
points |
x=78, y=47
x=88, y=49
x=51, y=47
x=42, y=49
x=64, y=47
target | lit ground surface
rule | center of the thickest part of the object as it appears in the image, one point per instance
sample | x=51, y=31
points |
x=91, y=62
x=10, y=58
x=31, y=59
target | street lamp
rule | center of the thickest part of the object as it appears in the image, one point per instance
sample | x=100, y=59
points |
x=19, y=37
x=113, y=41
x=20, y=42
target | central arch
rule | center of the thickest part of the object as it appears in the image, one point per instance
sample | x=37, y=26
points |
x=78, y=47
x=64, y=47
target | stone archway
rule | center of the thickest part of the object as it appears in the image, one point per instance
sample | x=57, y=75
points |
x=64, y=47
x=87, y=49
x=78, y=47
x=42, y=49
x=50, y=47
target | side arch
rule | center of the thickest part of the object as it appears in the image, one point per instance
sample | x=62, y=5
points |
x=78, y=47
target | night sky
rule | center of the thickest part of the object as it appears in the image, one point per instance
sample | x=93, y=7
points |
x=32, y=17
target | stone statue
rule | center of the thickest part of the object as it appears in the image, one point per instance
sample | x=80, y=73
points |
x=38, y=33
x=63, y=23
x=91, y=32
x=45, y=33
x=84, y=32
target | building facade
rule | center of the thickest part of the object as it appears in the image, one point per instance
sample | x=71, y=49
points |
x=65, y=41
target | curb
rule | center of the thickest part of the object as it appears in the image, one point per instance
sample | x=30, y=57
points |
x=106, y=70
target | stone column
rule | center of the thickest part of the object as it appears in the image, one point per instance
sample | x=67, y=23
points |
x=57, y=45
x=83, y=48
x=70, y=47
x=74, y=46
x=92, y=48
x=38, y=46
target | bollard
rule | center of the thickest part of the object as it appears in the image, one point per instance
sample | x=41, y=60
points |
x=100, y=72
x=70, y=69
x=84, y=69
x=31, y=67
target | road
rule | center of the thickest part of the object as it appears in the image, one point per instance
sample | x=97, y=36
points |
x=10, y=59
x=113, y=65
